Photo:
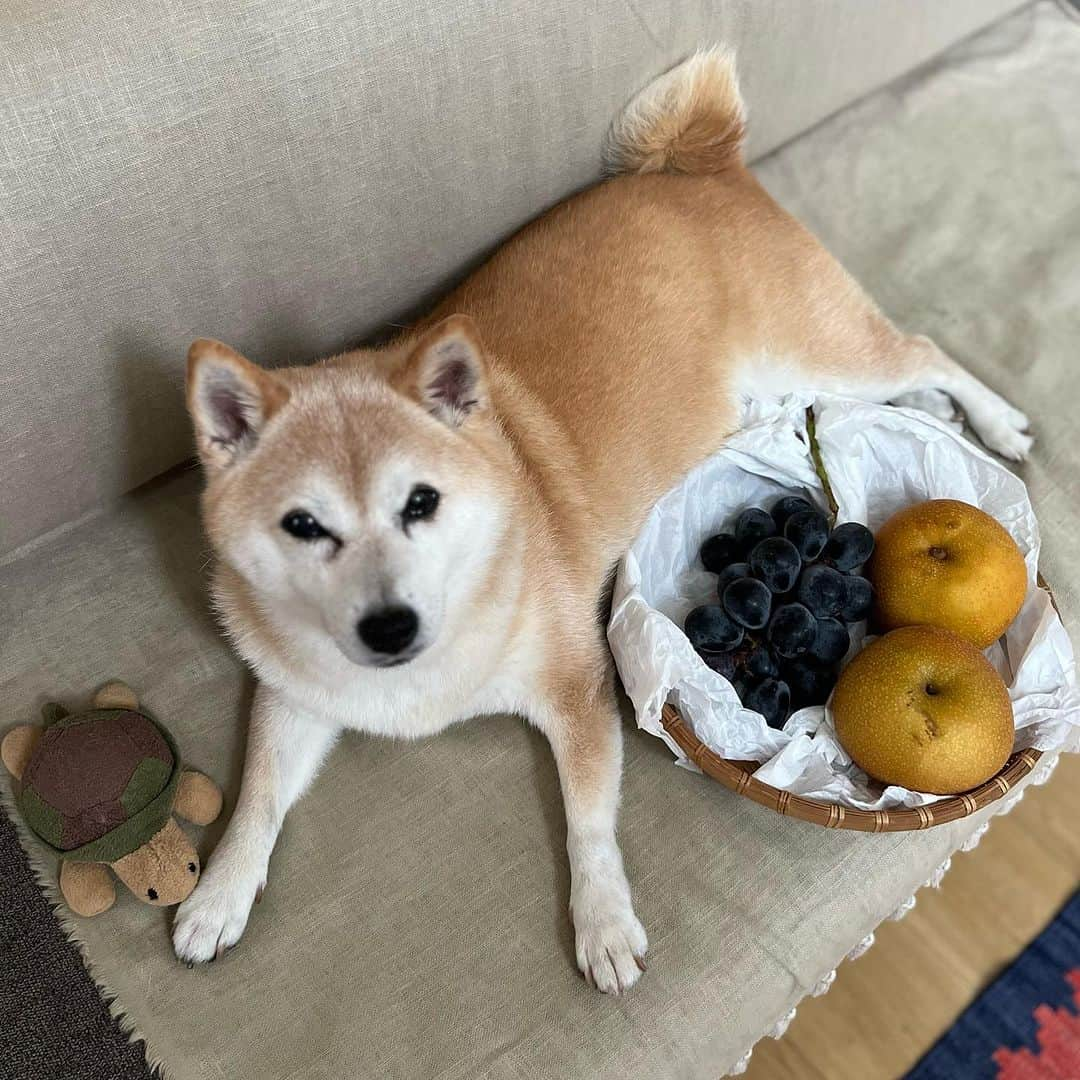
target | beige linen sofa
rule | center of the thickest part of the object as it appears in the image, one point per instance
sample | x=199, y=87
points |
x=295, y=177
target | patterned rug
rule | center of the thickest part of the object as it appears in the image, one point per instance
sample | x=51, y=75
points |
x=1025, y=1026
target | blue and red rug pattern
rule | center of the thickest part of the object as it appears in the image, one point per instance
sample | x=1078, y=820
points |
x=1025, y=1026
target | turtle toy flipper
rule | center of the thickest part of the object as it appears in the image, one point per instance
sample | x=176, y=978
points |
x=100, y=788
x=116, y=695
x=198, y=799
x=17, y=747
x=87, y=887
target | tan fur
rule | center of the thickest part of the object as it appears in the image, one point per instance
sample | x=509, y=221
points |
x=690, y=120
x=413, y=378
x=267, y=394
x=607, y=349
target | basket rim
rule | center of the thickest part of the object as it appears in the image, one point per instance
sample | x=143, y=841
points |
x=736, y=776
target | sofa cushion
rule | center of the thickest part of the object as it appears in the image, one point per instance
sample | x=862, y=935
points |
x=290, y=177
x=415, y=918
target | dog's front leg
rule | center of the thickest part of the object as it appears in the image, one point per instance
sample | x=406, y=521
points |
x=585, y=732
x=284, y=751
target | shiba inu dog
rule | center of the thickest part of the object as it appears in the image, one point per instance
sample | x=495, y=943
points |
x=411, y=536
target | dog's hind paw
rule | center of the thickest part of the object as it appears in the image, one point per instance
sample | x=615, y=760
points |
x=610, y=942
x=1006, y=436
x=1000, y=426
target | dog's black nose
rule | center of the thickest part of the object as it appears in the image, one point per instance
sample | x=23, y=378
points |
x=388, y=630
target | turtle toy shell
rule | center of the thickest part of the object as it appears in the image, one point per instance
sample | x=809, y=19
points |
x=98, y=782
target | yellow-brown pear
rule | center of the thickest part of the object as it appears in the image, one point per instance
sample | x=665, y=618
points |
x=924, y=709
x=947, y=563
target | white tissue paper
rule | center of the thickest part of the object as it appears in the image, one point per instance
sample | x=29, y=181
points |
x=878, y=460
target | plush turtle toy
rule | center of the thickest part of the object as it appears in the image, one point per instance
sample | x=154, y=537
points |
x=100, y=788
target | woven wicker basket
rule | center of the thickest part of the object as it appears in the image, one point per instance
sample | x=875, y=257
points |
x=737, y=776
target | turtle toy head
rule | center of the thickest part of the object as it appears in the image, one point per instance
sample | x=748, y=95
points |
x=100, y=788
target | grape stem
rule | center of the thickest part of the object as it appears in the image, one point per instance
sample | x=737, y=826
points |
x=819, y=465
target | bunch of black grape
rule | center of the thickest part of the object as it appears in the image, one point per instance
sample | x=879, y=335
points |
x=787, y=591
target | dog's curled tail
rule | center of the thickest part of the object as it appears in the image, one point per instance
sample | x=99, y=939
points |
x=689, y=120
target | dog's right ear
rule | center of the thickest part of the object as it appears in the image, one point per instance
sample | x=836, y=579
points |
x=230, y=399
x=446, y=372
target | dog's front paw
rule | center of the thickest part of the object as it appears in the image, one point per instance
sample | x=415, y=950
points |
x=611, y=943
x=213, y=917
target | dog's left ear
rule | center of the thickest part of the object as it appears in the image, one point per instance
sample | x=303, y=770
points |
x=446, y=371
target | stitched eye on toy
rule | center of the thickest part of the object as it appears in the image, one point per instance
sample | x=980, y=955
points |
x=420, y=504
x=152, y=893
x=303, y=526
x=191, y=867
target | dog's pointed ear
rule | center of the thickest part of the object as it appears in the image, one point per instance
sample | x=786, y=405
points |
x=446, y=371
x=230, y=399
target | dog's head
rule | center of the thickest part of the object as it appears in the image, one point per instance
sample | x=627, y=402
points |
x=361, y=501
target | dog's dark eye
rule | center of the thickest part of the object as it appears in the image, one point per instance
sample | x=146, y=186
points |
x=421, y=503
x=152, y=893
x=302, y=525
x=191, y=867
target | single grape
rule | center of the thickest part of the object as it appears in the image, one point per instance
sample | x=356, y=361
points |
x=742, y=684
x=731, y=573
x=711, y=630
x=748, y=602
x=808, y=531
x=811, y=683
x=761, y=664
x=791, y=630
x=822, y=589
x=752, y=526
x=776, y=561
x=718, y=551
x=831, y=642
x=858, y=596
x=785, y=507
x=771, y=698
x=723, y=663
x=849, y=545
